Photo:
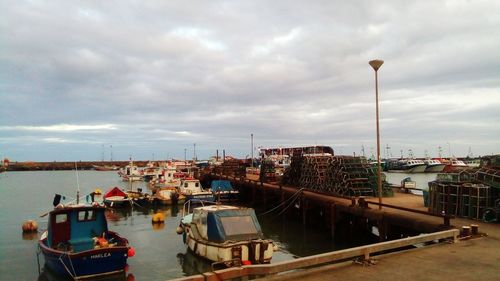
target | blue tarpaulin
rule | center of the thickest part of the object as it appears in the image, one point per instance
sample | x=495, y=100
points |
x=221, y=185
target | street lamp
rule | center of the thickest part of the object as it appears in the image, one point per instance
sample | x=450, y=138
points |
x=376, y=64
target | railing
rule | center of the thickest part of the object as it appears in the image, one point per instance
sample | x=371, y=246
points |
x=317, y=260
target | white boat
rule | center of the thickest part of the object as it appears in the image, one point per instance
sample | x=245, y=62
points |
x=192, y=190
x=130, y=173
x=406, y=165
x=434, y=166
x=226, y=235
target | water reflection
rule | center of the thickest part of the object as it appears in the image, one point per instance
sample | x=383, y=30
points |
x=158, y=226
x=117, y=214
x=30, y=235
x=49, y=275
x=192, y=264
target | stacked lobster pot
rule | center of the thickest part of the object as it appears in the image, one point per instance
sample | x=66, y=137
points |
x=338, y=175
x=314, y=170
x=351, y=176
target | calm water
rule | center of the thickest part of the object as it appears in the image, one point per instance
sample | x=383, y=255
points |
x=160, y=253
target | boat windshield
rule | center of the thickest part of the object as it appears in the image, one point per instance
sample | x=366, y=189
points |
x=239, y=225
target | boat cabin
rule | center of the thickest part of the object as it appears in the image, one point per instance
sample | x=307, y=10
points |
x=219, y=223
x=189, y=186
x=76, y=227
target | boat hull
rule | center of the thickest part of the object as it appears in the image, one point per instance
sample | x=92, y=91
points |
x=125, y=203
x=256, y=251
x=435, y=168
x=86, y=264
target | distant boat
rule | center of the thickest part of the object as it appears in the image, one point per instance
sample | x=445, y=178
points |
x=116, y=198
x=78, y=244
x=433, y=166
x=226, y=235
x=130, y=172
x=405, y=165
x=105, y=167
x=454, y=165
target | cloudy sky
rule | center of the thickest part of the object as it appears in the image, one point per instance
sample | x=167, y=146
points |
x=83, y=79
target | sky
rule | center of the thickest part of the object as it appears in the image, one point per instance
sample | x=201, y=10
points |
x=151, y=80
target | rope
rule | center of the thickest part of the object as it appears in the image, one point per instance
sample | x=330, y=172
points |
x=296, y=194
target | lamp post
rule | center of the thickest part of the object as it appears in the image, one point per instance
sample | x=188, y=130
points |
x=376, y=64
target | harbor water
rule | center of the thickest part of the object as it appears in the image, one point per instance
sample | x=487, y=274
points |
x=160, y=253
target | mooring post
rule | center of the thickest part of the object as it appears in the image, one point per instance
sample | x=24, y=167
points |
x=253, y=193
x=333, y=218
x=382, y=229
x=264, y=195
x=304, y=204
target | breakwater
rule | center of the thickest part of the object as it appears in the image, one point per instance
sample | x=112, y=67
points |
x=56, y=165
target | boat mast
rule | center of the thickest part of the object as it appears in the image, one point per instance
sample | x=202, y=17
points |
x=78, y=186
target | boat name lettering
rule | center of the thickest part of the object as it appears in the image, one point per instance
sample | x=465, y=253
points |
x=100, y=256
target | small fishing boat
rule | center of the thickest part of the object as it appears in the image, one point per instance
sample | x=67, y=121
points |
x=130, y=173
x=168, y=196
x=138, y=197
x=225, y=235
x=224, y=191
x=78, y=244
x=116, y=198
x=192, y=190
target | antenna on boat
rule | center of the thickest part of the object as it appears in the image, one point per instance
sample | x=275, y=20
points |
x=77, y=185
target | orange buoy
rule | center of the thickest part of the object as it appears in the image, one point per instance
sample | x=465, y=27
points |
x=30, y=226
x=158, y=218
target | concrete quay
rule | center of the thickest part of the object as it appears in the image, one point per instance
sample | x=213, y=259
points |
x=467, y=259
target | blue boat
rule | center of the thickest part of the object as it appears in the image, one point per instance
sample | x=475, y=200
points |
x=78, y=244
x=224, y=191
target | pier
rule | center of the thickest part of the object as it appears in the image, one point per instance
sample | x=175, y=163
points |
x=414, y=245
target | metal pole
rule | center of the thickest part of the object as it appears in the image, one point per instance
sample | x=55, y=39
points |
x=251, y=136
x=379, y=166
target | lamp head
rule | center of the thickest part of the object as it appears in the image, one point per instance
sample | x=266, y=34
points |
x=376, y=64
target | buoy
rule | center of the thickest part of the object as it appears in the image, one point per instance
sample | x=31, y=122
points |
x=131, y=252
x=30, y=226
x=179, y=230
x=275, y=248
x=158, y=218
x=246, y=262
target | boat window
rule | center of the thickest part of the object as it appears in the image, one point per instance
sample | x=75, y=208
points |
x=238, y=225
x=60, y=218
x=88, y=215
x=185, y=184
x=196, y=184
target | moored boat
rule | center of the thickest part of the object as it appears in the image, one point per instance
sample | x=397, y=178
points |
x=77, y=243
x=130, y=173
x=226, y=235
x=433, y=166
x=224, y=191
x=116, y=198
x=405, y=165
x=454, y=165
x=168, y=196
x=192, y=190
